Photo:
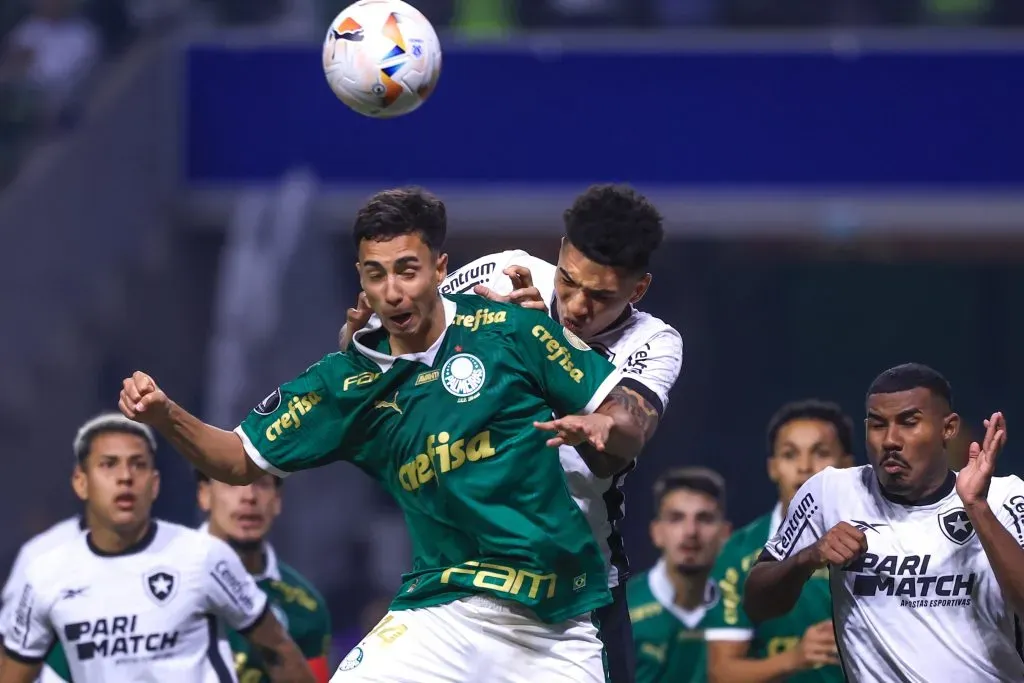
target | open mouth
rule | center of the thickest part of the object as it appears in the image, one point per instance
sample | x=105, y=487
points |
x=124, y=501
x=401, y=320
x=249, y=520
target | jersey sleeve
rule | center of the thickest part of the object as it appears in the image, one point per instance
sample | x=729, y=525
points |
x=653, y=369
x=486, y=270
x=726, y=620
x=572, y=377
x=307, y=422
x=29, y=636
x=231, y=592
x=1011, y=512
x=804, y=523
x=12, y=590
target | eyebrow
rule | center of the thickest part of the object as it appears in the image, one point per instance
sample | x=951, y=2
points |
x=399, y=263
x=606, y=292
x=909, y=412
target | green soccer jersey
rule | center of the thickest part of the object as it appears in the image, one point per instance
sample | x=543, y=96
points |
x=450, y=435
x=670, y=645
x=728, y=621
x=57, y=664
x=299, y=608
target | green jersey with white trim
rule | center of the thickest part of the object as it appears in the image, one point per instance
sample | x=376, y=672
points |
x=449, y=433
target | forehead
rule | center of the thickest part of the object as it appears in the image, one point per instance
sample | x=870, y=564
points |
x=898, y=402
x=806, y=430
x=118, y=443
x=688, y=500
x=588, y=273
x=399, y=248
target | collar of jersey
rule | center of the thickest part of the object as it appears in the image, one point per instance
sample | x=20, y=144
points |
x=665, y=593
x=271, y=571
x=133, y=549
x=384, y=361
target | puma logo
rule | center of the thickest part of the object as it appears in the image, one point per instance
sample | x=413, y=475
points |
x=393, y=403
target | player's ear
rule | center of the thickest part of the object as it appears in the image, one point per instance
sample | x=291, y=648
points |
x=154, y=484
x=203, y=496
x=950, y=428
x=773, y=472
x=442, y=267
x=641, y=288
x=80, y=483
x=655, y=529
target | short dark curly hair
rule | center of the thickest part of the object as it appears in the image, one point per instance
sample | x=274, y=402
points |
x=402, y=211
x=912, y=376
x=614, y=225
x=812, y=409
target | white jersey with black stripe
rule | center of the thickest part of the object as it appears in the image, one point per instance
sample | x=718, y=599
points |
x=156, y=612
x=923, y=604
x=648, y=353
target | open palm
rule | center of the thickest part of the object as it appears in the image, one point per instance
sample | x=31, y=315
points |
x=972, y=483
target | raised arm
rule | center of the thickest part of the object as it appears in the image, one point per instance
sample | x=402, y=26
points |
x=282, y=657
x=1001, y=531
x=800, y=547
x=217, y=453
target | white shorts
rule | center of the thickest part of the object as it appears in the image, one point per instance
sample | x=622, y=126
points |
x=475, y=640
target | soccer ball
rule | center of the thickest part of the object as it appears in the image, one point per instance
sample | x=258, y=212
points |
x=382, y=57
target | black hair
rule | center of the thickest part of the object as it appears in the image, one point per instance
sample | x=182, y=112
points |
x=812, y=409
x=912, y=376
x=202, y=478
x=109, y=423
x=402, y=211
x=614, y=225
x=700, y=479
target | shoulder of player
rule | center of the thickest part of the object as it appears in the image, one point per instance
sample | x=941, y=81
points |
x=47, y=569
x=300, y=589
x=746, y=541
x=641, y=601
x=1001, y=489
x=485, y=270
x=184, y=542
x=476, y=313
x=58, y=534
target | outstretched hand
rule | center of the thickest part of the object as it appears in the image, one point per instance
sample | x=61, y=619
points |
x=973, y=481
x=574, y=430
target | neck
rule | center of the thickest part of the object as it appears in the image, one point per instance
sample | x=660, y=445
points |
x=115, y=540
x=689, y=587
x=252, y=554
x=931, y=490
x=421, y=341
x=253, y=559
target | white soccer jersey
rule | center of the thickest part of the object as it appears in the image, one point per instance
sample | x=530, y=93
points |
x=922, y=605
x=648, y=353
x=153, y=613
x=56, y=535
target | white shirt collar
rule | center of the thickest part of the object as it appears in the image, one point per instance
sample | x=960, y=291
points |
x=271, y=571
x=665, y=593
x=384, y=361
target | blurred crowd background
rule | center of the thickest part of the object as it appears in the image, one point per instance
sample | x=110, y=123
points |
x=840, y=181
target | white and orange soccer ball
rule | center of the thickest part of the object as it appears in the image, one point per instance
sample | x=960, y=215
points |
x=382, y=57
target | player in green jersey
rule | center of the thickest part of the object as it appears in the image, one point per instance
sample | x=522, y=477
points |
x=804, y=438
x=243, y=516
x=668, y=603
x=449, y=406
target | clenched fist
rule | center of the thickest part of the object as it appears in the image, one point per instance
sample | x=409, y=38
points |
x=842, y=544
x=142, y=400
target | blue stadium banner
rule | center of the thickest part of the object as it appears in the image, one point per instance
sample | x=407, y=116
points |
x=881, y=119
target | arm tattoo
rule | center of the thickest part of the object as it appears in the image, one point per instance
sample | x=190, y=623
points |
x=642, y=413
x=270, y=656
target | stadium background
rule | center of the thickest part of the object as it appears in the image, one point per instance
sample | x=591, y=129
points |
x=841, y=182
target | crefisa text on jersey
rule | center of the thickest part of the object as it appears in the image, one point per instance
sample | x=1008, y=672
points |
x=118, y=636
